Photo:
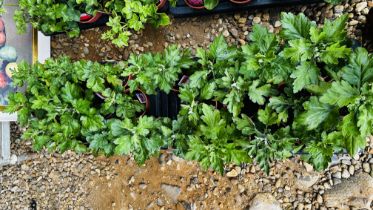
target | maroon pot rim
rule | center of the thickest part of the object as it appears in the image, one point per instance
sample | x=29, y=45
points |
x=130, y=77
x=93, y=19
x=193, y=6
x=183, y=80
x=161, y=4
x=240, y=1
x=147, y=101
x=100, y=96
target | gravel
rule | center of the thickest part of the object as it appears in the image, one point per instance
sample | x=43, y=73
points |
x=52, y=181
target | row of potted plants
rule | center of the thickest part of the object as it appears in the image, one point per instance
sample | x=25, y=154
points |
x=124, y=16
x=304, y=89
x=211, y=4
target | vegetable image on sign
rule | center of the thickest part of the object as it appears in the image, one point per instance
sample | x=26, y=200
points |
x=8, y=56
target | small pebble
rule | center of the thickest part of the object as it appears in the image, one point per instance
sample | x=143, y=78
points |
x=256, y=20
x=345, y=174
x=366, y=167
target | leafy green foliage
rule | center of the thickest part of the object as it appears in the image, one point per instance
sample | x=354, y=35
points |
x=142, y=140
x=334, y=1
x=63, y=16
x=157, y=71
x=211, y=144
x=304, y=75
x=296, y=26
x=210, y=4
x=65, y=113
x=263, y=146
x=302, y=90
x=49, y=16
x=131, y=15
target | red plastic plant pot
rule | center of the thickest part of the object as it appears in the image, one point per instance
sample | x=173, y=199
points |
x=87, y=18
x=161, y=4
x=195, y=4
x=240, y=1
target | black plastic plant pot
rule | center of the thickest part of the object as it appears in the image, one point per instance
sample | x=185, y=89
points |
x=86, y=18
x=195, y=4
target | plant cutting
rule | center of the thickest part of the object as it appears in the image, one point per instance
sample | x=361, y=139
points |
x=158, y=71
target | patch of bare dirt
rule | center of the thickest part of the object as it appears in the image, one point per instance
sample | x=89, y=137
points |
x=173, y=183
x=90, y=45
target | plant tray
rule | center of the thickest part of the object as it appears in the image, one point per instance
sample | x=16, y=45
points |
x=225, y=6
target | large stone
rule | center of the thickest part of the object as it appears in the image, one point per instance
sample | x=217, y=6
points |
x=264, y=201
x=355, y=192
x=232, y=173
x=172, y=191
x=306, y=180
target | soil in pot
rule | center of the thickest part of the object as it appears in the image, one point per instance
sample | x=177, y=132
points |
x=240, y=1
x=195, y=4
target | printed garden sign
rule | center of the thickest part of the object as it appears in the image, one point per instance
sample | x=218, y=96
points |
x=14, y=48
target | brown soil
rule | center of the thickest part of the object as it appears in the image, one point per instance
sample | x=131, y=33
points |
x=140, y=187
x=99, y=50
